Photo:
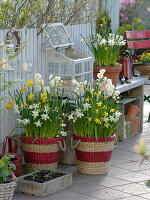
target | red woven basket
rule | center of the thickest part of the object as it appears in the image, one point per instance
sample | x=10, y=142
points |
x=93, y=155
x=40, y=153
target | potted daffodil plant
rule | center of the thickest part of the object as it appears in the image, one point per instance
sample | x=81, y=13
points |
x=41, y=111
x=106, y=51
x=95, y=118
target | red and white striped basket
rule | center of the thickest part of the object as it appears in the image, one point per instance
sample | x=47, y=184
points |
x=93, y=155
x=41, y=153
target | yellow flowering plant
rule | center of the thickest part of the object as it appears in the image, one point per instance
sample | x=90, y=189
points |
x=144, y=58
x=96, y=109
x=41, y=108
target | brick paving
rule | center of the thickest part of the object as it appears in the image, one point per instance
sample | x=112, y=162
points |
x=124, y=181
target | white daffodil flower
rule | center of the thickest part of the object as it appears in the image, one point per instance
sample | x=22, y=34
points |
x=38, y=123
x=74, y=82
x=16, y=108
x=117, y=93
x=62, y=125
x=45, y=117
x=37, y=76
x=50, y=76
x=31, y=107
x=35, y=113
x=63, y=133
x=20, y=121
x=40, y=81
x=35, y=106
x=38, y=88
x=46, y=109
x=86, y=106
x=70, y=117
x=26, y=121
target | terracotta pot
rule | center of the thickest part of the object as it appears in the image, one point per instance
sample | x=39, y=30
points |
x=111, y=73
x=135, y=123
x=133, y=110
x=143, y=68
x=67, y=83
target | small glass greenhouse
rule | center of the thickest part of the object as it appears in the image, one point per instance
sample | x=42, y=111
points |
x=65, y=61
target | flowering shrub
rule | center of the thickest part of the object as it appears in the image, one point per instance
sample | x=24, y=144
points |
x=40, y=107
x=144, y=58
x=96, y=109
x=126, y=9
x=105, y=50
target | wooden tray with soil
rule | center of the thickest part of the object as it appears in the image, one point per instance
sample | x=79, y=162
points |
x=43, y=182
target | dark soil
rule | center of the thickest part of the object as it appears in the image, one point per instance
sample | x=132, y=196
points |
x=13, y=159
x=43, y=176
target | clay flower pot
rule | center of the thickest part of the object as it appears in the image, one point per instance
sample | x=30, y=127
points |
x=133, y=110
x=111, y=73
x=143, y=68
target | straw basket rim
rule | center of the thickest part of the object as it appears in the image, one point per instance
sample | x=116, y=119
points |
x=94, y=139
x=29, y=140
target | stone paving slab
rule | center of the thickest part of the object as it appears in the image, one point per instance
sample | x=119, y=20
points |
x=133, y=189
x=133, y=166
x=133, y=176
x=133, y=198
x=107, y=194
x=143, y=196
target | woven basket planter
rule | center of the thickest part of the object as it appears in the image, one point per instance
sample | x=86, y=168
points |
x=7, y=190
x=41, y=153
x=93, y=156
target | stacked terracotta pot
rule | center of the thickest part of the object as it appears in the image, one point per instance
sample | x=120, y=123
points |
x=133, y=116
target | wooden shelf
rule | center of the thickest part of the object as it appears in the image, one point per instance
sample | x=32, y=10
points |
x=127, y=100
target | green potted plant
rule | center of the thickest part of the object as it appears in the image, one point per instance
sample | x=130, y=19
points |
x=94, y=118
x=7, y=178
x=106, y=51
x=42, y=115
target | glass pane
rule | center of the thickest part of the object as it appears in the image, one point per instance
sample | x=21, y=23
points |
x=55, y=40
x=65, y=39
x=60, y=30
x=58, y=35
x=86, y=66
x=78, y=68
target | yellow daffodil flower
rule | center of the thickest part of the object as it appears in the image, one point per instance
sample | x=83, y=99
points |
x=97, y=111
x=23, y=89
x=99, y=104
x=105, y=97
x=44, y=96
x=31, y=96
x=105, y=114
x=14, y=102
x=30, y=83
x=104, y=107
x=87, y=99
x=97, y=93
x=25, y=104
x=112, y=110
x=97, y=121
x=8, y=106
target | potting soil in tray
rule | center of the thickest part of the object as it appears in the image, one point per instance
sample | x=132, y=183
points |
x=43, y=176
